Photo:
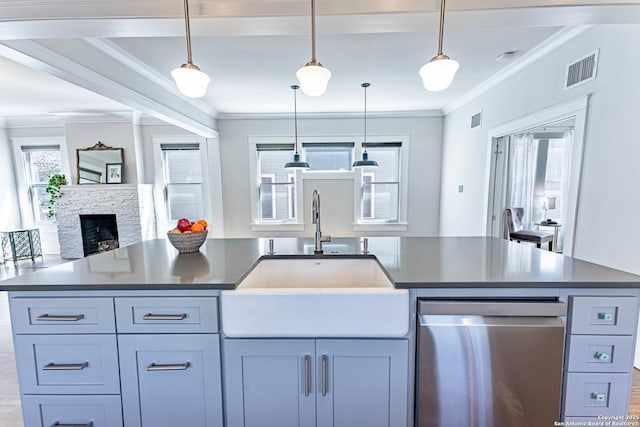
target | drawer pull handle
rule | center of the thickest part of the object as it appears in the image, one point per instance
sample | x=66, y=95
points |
x=172, y=367
x=151, y=316
x=600, y=397
x=65, y=367
x=57, y=424
x=60, y=318
x=601, y=356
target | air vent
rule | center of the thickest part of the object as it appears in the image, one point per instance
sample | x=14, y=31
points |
x=476, y=120
x=582, y=71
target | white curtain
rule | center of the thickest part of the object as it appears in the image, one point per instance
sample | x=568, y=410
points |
x=523, y=155
x=566, y=173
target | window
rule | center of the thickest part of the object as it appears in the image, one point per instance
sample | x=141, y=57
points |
x=40, y=163
x=380, y=187
x=276, y=185
x=328, y=156
x=182, y=172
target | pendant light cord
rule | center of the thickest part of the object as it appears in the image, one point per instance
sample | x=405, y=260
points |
x=295, y=113
x=313, y=31
x=365, y=86
x=441, y=34
x=186, y=23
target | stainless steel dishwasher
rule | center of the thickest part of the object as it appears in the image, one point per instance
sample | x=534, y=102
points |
x=489, y=363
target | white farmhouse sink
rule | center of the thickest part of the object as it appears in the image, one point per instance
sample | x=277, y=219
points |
x=329, y=296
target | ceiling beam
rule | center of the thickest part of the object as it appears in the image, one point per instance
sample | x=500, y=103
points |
x=95, y=66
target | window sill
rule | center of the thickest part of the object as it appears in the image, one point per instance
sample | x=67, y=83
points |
x=379, y=226
x=291, y=226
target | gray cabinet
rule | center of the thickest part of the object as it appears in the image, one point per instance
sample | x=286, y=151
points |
x=170, y=380
x=118, y=359
x=324, y=383
x=599, y=359
x=67, y=361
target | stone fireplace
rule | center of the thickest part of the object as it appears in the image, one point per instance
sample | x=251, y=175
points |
x=129, y=208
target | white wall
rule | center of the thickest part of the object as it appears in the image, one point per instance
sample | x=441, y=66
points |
x=337, y=195
x=116, y=135
x=608, y=223
x=10, y=211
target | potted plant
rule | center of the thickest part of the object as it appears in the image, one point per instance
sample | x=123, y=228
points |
x=54, y=191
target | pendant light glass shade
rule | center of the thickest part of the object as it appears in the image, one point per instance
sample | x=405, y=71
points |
x=297, y=162
x=438, y=73
x=313, y=77
x=191, y=81
x=365, y=162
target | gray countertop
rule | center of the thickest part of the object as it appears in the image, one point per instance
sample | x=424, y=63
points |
x=412, y=262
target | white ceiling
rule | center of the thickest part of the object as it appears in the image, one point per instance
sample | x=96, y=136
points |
x=252, y=48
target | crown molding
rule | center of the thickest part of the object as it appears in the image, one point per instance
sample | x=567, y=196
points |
x=543, y=49
x=332, y=115
x=43, y=121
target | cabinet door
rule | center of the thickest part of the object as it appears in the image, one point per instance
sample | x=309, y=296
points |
x=269, y=383
x=362, y=383
x=171, y=380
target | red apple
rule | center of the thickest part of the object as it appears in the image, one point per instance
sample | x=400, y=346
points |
x=183, y=224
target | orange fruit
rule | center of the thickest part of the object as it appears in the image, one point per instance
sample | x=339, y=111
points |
x=197, y=227
x=203, y=223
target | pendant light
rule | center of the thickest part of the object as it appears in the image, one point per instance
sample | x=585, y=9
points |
x=438, y=73
x=365, y=162
x=190, y=80
x=296, y=163
x=313, y=77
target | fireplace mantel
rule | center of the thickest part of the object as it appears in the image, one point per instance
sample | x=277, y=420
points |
x=132, y=205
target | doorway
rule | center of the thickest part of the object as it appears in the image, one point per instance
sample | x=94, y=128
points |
x=536, y=164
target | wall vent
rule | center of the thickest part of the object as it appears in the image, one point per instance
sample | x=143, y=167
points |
x=581, y=71
x=476, y=120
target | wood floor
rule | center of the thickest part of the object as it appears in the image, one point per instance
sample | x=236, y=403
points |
x=10, y=412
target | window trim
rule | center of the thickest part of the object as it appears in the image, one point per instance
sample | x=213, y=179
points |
x=272, y=225
x=360, y=225
x=24, y=190
x=211, y=181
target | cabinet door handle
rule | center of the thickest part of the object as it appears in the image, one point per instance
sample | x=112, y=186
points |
x=170, y=367
x=60, y=318
x=307, y=375
x=325, y=374
x=151, y=316
x=57, y=424
x=65, y=367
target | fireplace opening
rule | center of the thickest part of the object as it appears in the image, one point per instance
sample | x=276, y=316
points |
x=99, y=233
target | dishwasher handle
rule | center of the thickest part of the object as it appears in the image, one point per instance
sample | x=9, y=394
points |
x=493, y=308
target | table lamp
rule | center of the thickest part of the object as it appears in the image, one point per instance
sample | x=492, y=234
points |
x=548, y=204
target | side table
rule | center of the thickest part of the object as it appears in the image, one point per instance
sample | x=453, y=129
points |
x=21, y=244
x=556, y=227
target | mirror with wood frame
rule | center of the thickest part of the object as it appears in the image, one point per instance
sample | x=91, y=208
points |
x=92, y=162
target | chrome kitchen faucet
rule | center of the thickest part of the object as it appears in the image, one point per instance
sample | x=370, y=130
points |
x=315, y=218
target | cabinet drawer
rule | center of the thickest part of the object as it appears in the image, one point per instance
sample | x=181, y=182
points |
x=167, y=314
x=62, y=315
x=590, y=395
x=598, y=353
x=604, y=315
x=67, y=364
x=46, y=411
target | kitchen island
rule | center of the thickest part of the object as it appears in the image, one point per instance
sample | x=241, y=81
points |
x=133, y=336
